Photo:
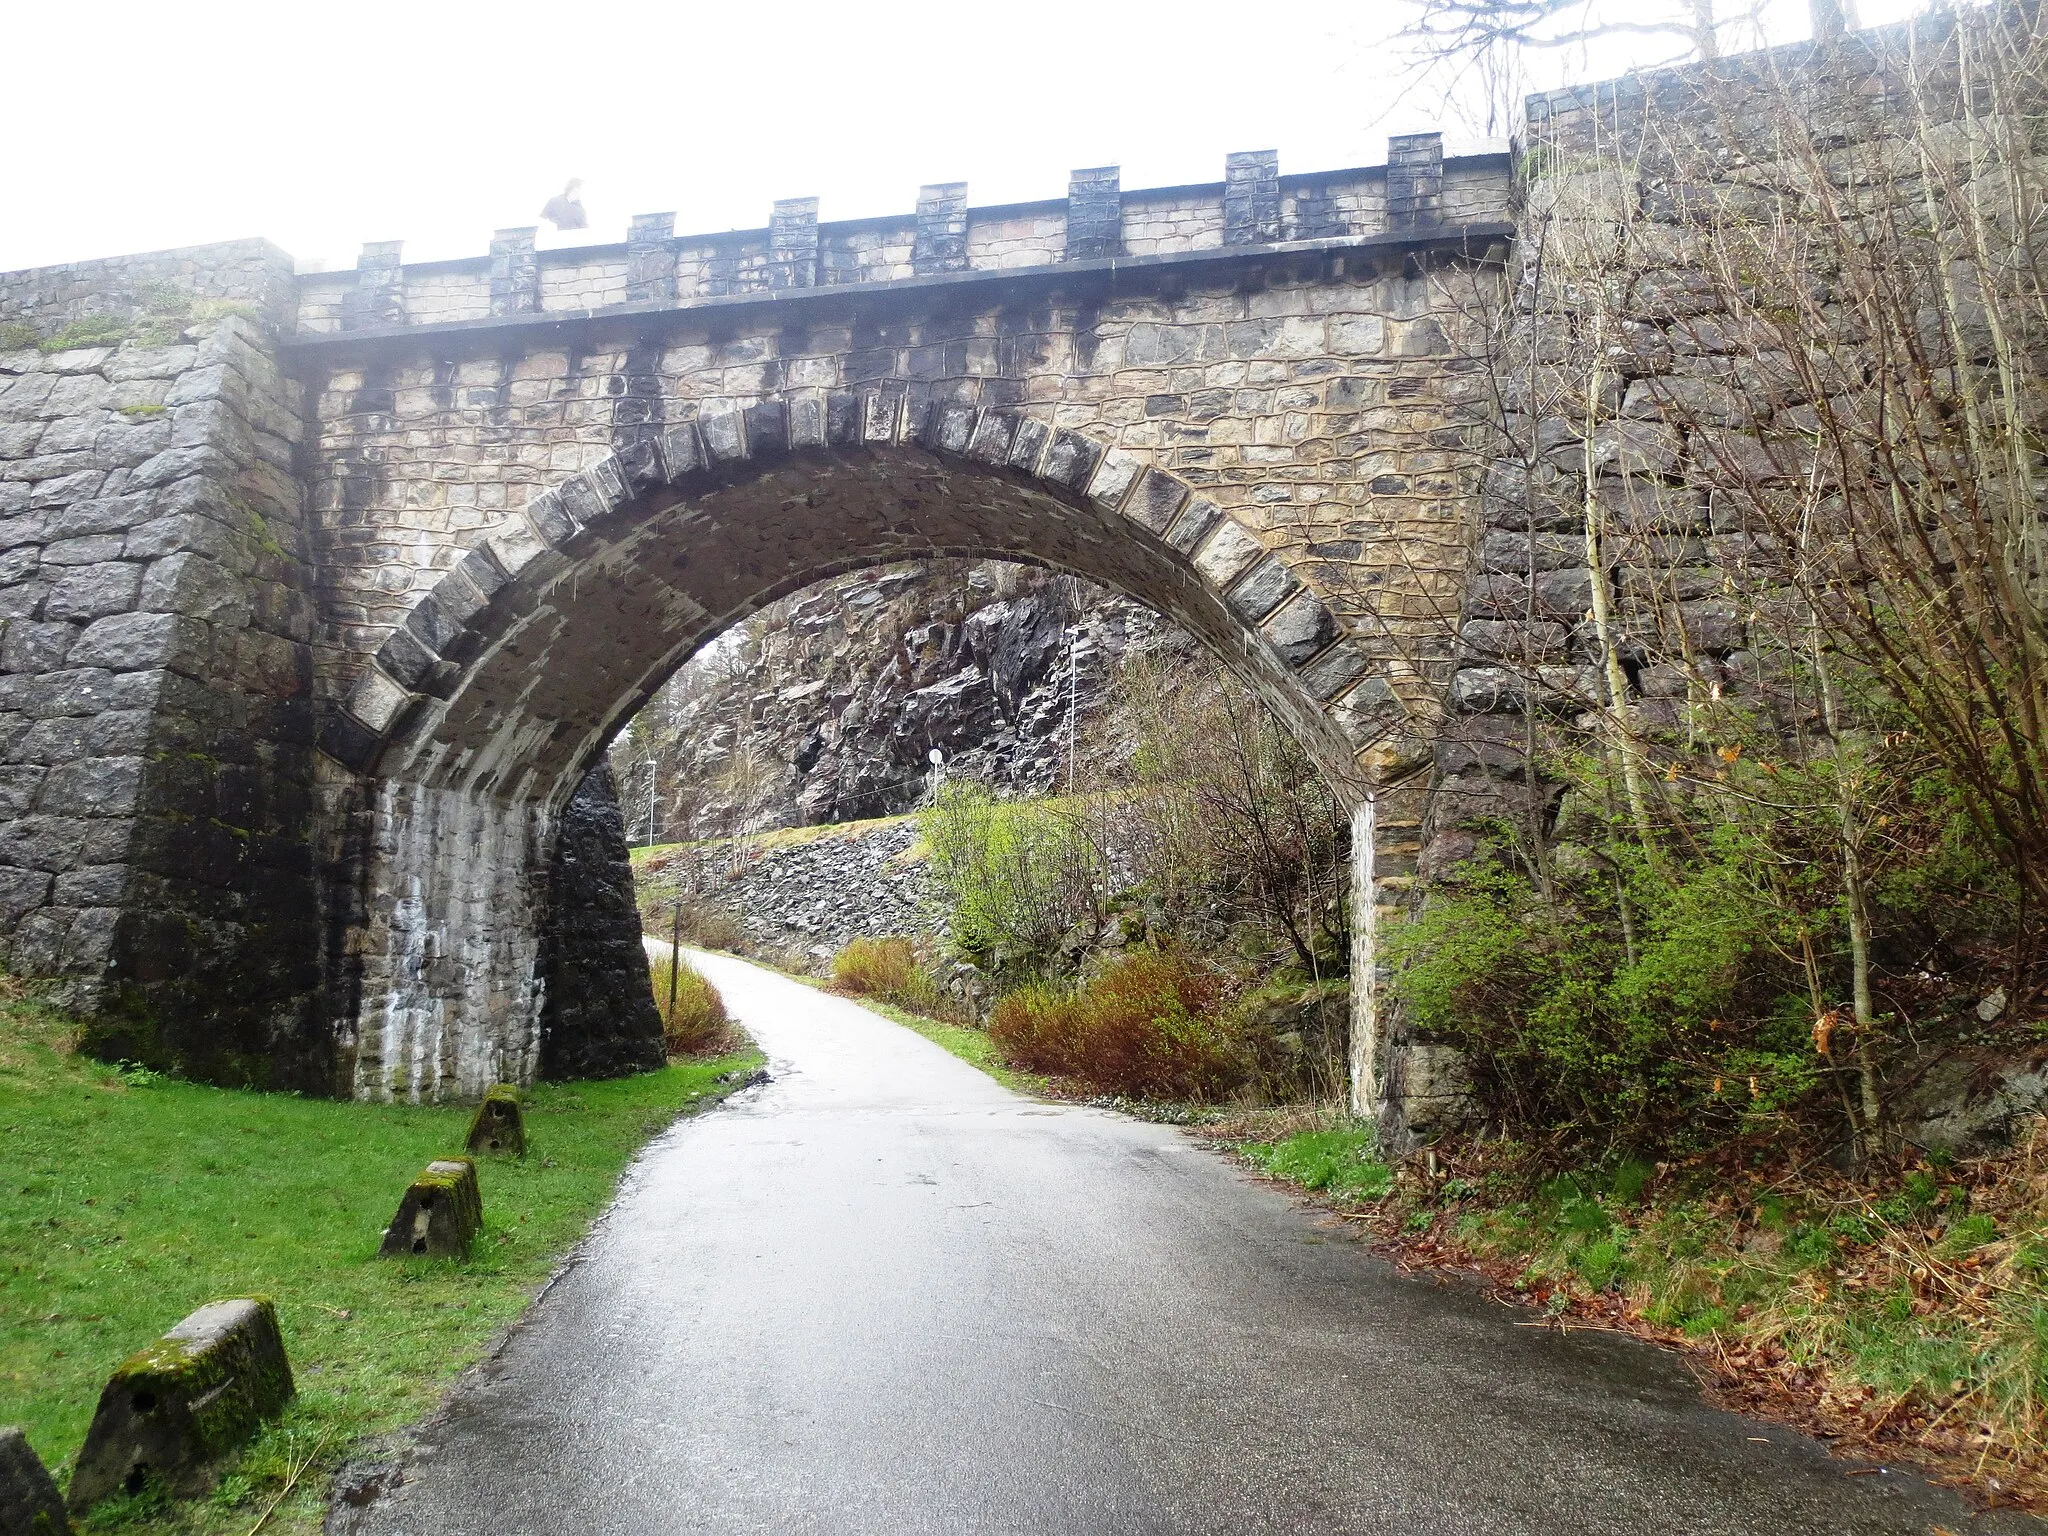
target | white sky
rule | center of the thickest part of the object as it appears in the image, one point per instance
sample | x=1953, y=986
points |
x=136, y=126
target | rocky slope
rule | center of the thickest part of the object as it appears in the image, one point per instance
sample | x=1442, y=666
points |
x=825, y=707
x=796, y=899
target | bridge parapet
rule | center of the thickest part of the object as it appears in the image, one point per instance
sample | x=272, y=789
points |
x=1097, y=220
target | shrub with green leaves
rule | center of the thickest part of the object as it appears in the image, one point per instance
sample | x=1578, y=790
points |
x=1626, y=1004
x=1016, y=876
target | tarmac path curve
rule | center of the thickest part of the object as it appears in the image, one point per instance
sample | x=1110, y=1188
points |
x=883, y=1294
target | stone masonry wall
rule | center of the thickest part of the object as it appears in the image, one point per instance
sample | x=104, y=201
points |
x=156, y=715
x=597, y=1016
x=1622, y=363
x=1155, y=221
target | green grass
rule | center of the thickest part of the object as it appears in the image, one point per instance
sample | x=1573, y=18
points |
x=1338, y=1163
x=128, y=1199
x=1915, y=1300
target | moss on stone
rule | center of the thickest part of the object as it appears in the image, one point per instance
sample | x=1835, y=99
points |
x=440, y=1215
x=93, y=331
x=499, y=1125
x=182, y=1402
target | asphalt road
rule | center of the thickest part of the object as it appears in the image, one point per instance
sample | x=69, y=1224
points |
x=884, y=1294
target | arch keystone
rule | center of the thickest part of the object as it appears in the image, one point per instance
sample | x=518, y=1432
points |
x=881, y=417
x=950, y=428
x=767, y=429
x=807, y=427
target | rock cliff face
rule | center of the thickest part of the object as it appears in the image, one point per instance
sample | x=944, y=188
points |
x=826, y=706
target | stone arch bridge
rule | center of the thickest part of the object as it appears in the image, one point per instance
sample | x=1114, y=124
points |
x=323, y=591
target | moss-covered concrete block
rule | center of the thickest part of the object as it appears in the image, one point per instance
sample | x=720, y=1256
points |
x=171, y=1410
x=499, y=1126
x=29, y=1502
x=440, y=1215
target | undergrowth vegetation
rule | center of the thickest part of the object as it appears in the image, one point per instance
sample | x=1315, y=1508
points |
x=1197, y=828
x=693, y=1017
x=132, y=1199
x=889, y=970
x=1905, y=1310
x=1148, y=1025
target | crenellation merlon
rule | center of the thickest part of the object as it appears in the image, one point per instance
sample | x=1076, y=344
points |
x=1097, y=220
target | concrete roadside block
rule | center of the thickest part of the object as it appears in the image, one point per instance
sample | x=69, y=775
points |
x=499, y=1125
x=440, y=1214
x=170, y=1410
x=29, y=1502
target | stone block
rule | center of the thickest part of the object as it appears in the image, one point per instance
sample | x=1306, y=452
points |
x=1228, y=554
x=1095, y=214
x=171, y=1410
x=767, y=430
x=499, y=1125
x=376, y=700
x=1263, y=589
x=994, y=432
x=440, y=1216
x=1028, y=446
x=32, y=647
x=29, y=1502
x=1156, y=501
x=1336, y=669
x=1251, y=197
x=1415, y=180
x=1194, y=524
x=1070, y=461
x=1114, y=478
x=93, y=591
x=940, y=244
x=1300, y=628
x=724, y=434
x=93, y=786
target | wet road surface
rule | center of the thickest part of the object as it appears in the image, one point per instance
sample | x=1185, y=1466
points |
x=884, y=1294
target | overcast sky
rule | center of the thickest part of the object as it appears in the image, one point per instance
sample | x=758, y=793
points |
x=136, y=126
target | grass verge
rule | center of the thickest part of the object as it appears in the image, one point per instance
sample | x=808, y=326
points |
x=129, y=1199
x=972, y=1046
x=1901, y=1315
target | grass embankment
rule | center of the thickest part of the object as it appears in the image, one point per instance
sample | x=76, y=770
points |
x=1902, y=1315
x=130, y=1199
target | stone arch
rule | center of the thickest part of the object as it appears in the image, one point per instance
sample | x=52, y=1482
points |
x=481, y=711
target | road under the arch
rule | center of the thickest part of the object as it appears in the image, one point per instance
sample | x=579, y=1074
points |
x=884, y=1294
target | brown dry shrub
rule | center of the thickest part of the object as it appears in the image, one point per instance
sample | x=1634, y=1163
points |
x=1150, y=1026
x=874, y=967
x=698, y=1025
